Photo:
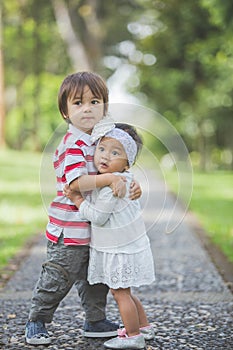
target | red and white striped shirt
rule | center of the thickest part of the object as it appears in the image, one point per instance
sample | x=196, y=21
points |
x=72, y=159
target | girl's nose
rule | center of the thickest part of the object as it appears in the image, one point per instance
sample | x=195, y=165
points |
x=105, y=155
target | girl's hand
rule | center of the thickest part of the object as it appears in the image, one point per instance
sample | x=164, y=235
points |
x=68, y=192
x=74, y=196
x=135, y=191
x=118, y=186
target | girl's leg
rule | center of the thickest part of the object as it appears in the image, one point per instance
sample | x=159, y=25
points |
x=143, y=322
x=145, y=328
x=128, y=310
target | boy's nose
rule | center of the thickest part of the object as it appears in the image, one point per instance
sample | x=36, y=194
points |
x=87, y=107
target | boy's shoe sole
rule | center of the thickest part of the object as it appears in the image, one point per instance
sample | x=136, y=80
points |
x=100, y=329
x=36, y=341
x=99, y=334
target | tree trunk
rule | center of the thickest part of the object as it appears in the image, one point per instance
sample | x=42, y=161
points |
x=76, y=50
x=202, y=152
x=2, y=95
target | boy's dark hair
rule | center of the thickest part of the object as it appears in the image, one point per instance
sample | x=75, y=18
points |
x=131, y=130
x=74, y=85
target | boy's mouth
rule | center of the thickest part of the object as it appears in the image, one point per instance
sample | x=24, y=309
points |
x=87, y=118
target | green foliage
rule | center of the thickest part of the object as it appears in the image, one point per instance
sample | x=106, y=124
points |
x=34, y=69
x=182, y=52
x=191, y=81
x=20, y=124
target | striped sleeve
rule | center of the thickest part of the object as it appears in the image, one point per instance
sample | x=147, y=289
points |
x=75, y=164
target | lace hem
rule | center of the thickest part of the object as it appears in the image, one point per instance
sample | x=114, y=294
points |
x=121, y=270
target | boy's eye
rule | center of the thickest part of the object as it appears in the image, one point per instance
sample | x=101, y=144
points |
x=78, y=103
x=94, y=102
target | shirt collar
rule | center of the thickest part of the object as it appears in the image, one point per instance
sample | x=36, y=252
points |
x=81, y=135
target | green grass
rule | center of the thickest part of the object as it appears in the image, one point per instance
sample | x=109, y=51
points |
x=22, y=214
x=212, y=202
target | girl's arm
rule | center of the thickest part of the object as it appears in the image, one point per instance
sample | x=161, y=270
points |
x=90, y=182
x=99, y=212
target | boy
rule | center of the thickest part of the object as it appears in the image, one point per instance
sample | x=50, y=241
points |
x=82, y=101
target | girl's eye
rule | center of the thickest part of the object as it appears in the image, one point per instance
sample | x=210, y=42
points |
x=101, y=149
x=115, y=153
x=94, y=102
x=78, y=103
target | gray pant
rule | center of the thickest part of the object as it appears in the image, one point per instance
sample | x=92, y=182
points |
x=66, y=266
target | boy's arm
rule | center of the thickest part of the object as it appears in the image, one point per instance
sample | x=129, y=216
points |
x=135, y=190
x=90, y=182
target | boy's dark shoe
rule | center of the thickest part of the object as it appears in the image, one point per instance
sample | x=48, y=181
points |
x=36, y=333
x=100, y=329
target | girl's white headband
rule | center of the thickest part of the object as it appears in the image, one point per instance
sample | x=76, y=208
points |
x=106, y=127
x=127, y=142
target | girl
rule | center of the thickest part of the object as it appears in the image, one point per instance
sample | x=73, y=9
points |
x=120, y=254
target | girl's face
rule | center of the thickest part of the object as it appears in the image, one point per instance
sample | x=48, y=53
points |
x=110, y=156
x=85, y=110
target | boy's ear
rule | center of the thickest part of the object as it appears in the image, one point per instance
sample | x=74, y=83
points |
x=66, y=117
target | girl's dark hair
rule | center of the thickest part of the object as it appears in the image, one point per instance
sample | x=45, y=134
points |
x=131, y=130
x=74, y=84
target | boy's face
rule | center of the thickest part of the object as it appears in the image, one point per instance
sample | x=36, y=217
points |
x=85, y=111
x=110, y=156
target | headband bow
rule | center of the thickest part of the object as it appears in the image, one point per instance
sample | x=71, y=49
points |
x=102, y=127
x=106, y=127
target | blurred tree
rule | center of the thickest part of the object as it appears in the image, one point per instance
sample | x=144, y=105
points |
x=39, y=49
x=185, y=69
x=76, y=49
x=2, y=91
x=53, y=39
x=181, y=53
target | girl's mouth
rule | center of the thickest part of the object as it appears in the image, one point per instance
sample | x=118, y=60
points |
x=103, y=165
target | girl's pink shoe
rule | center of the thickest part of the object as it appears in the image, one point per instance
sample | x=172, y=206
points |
x=125, y=342
x=148, y=332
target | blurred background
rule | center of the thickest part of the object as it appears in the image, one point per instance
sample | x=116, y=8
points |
x=175, y=57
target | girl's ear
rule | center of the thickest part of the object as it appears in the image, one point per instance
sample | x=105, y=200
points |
x=126, y=168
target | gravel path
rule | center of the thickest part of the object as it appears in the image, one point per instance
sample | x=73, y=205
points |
x=189, y=305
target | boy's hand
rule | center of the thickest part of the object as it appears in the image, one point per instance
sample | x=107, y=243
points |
x=135, y=191
x=118, y=186
x=74, y=196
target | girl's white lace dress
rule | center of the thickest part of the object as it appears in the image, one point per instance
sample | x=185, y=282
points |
x=120, y=253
